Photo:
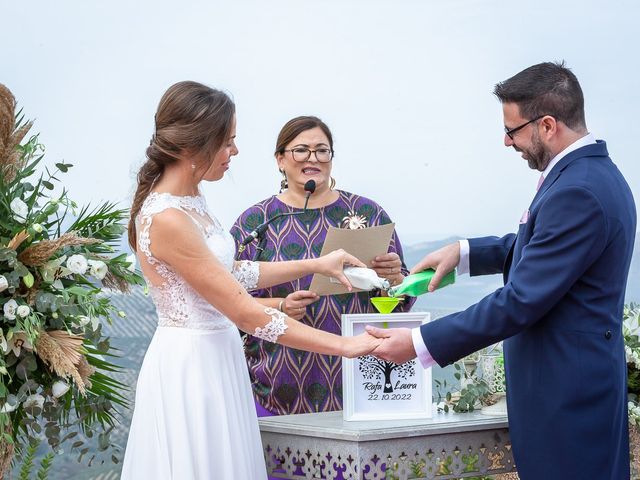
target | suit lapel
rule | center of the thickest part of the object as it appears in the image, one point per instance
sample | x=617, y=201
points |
x=599, y=149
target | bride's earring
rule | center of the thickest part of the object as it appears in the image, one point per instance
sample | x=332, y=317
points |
x=284, y=184
x=193, y=166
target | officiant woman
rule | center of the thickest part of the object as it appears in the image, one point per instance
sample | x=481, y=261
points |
x=286, y=380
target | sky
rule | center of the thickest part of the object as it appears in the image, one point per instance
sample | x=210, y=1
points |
x=405, y=86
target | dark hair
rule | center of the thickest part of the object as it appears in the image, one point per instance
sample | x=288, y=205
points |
x=191, y=117
x=296, y=126
x=545, y=89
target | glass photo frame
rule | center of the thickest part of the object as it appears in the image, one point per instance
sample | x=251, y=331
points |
x=374, y=389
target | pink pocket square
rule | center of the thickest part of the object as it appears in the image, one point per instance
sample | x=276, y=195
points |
x=525, y=217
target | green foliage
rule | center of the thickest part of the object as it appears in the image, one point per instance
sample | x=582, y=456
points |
x=28, y=457
x=61, y=290
x=631, y=332
x=475, y=390
x=27, y=461
x=45, y=466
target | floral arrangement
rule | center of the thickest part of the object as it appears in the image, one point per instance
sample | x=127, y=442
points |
x=479, y=387
x=631, y=330
x=57, y=266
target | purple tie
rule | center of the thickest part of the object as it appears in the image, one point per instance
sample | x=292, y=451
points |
x=540, y=182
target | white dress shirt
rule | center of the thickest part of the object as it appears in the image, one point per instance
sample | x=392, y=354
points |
x=463, y=266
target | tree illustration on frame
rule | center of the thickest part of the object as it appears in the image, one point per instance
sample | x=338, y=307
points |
x=372, y=367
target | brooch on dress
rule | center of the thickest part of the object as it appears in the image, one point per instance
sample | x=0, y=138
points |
x=353, y=221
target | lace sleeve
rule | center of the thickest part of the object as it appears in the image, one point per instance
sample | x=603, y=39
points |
x=247, y=273
x=144, y=242
x=276, y=326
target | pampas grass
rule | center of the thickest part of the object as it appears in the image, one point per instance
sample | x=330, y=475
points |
x=39, y=253
x=10, y=136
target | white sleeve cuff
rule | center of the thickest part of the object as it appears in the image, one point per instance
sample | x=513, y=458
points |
x=421, y=349
x=463, y=265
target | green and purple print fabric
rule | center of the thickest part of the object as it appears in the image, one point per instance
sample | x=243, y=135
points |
x=286, y=380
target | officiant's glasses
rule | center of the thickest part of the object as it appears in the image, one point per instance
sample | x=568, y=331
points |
x=301, y=154
x=511, y=132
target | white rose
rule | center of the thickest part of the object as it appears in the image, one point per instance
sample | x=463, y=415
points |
x=4, y=284
x=59, y=388
x=19, y=209
x=77, y=264
x=10, y=309
x=98, y=269
x=23, y=311
x=35, y=400
x=132, y=262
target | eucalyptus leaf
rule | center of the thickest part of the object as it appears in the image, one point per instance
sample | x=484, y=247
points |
x=21, y=270
x=7, y=254
x=27, y=365
x=79, y=291
x=29, y=385
x=103, y=441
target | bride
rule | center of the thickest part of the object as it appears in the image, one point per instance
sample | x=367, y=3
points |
x=194, y=414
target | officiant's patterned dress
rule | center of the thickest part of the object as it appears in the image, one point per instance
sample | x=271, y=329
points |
x=286, y=380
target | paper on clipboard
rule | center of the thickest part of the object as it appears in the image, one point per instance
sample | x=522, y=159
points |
x=363, y=243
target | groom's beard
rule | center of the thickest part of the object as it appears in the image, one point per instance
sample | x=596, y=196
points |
x=537, y=156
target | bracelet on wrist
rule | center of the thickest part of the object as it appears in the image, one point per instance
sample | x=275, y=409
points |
x=280, y=305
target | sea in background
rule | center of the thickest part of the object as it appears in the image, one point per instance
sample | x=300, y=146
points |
x=131, y=335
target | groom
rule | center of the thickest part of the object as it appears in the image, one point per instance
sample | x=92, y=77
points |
x=560, y=310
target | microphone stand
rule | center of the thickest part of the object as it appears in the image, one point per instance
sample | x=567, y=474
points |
x=259, y=233
x=262, y=242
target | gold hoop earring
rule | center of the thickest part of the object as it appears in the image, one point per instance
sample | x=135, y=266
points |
x=284, y=184
x=332, y=184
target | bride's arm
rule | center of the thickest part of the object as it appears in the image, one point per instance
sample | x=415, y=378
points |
x=275, y=273
x=176, y=241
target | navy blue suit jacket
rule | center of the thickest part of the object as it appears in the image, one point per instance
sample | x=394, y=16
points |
x=560, y=316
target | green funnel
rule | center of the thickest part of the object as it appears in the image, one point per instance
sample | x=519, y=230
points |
x=385, y=304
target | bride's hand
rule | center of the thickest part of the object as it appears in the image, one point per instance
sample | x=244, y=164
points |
x=332, y=265
x=360, y=345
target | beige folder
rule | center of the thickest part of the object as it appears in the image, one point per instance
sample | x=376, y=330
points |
x=364, y=244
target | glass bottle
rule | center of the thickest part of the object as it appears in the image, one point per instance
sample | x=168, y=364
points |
x=364, y=278
x=418, y=283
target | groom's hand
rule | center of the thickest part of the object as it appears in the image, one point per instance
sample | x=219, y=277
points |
x=442, y=261
x=397, y=346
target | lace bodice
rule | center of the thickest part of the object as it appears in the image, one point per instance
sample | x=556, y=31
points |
x=178, y=304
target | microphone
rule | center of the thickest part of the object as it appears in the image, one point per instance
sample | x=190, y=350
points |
x=309, y=187
x=259, y=231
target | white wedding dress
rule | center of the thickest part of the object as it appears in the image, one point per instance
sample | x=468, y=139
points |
x=194, y=414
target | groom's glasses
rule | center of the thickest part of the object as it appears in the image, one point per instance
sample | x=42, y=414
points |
x=510, y=132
